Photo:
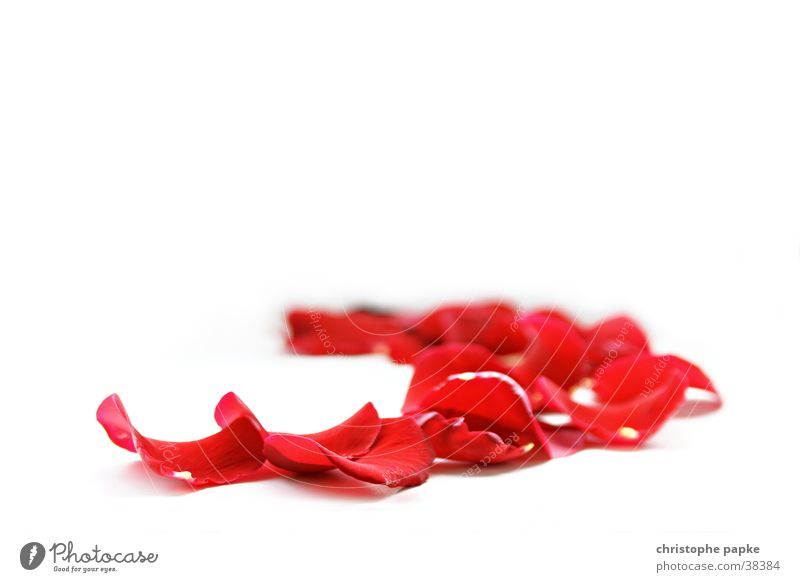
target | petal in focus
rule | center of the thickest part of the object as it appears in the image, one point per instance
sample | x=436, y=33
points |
x=489, y=402
x=234, y=452
x=303, y=453
x=230, y=407
x=399, y=457
x=451, y=438
x=355, y=436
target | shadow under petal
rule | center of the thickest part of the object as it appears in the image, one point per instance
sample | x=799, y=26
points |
x=445, y=467
x=698, y=402
x=692, y=408
x=334, y=484
x=134, y=478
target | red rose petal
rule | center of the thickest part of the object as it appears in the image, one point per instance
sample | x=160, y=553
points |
x=490, y=402
x=230, y=407
x=551, y=313
x=399, y=457
x=634, y=375
x=614, y=338
x=490, y=396
x=704, y=398
x=224, y=457
x=437, y=364
x=351, y=438
x=451, y=438
x=564, y=441
x=557, y=350
x=493, y=325
x=353, y=324
x=468, y=400
x=400, y=348
x=296, y=453
x=112, y=415
x=624, y=422
x=316, y=332
x=695, y=377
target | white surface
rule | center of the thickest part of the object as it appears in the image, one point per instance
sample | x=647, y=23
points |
x=173, y=175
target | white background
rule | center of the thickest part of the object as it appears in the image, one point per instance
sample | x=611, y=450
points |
x=174, y=174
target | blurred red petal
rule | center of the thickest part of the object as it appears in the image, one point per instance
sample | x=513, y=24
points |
x=550, y=313
x=402, y=349
x=695, y=377
x=628, y=421
x=631, y=376
x=317, y=332
x=701, y=395
x=628, y=377
x=493, y=325
x=557, y=351
x=614, y=338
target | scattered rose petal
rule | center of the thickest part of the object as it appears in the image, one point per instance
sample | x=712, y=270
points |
x=437, y=364
x=491, y=384
x=318, y=333
x=224, y=457
x=352, y=438
x=613, y=338
x=399, y=457
x=488, y=402
x=451, y=438
x=557, y=350
x=622, y=421
x=493, y=325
